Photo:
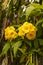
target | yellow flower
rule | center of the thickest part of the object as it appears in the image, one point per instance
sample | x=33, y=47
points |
x=23, y=29
x=30, y=30
x=10, y=33
x=12, y=28
x=26, y=27
x=21, y=32
x=31, y=27
x=31, y=35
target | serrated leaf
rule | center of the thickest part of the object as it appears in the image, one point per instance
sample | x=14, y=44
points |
x=5, y=48
x=29, y=10
x=16, y=46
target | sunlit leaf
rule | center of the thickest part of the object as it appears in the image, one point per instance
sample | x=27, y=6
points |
x=5, y=48
x=22, y=58
x=29, y=10
x=16, y=46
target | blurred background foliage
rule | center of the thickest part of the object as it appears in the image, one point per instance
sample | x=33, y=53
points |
x=16, y=12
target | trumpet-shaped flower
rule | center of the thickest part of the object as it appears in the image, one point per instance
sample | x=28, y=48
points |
x=27, y=29
x=10, y=33
x=31, y=35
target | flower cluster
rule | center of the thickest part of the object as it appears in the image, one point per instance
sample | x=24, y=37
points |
x=28, y=30
x=10, y=33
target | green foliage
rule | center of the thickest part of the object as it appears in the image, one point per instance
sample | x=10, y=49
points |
x=30, y=64
x=41, y=41
x=22, y=48
x=29, y=10
x=16, y=46
x=34, y=10
x=28, y=42
x=39, y=22
x=5, y=49
x=22, y=58
x=36, y=44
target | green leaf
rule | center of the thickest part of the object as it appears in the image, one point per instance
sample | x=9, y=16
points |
x=28, y=42
x=5, y=49
x=41, y=53
x=16, y=46
x=23, y=49
x=36, y=45
x=14, y=1
x=31, y=64
x=37, y=5
x=39, y=33
x=41, y=41
x=36, y=50
x=12, y=43
x=39, y=27
x=22, y=58
x=29, y=10
x=39, y=22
